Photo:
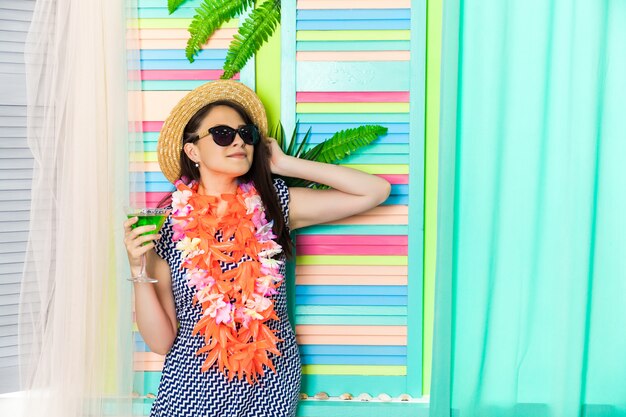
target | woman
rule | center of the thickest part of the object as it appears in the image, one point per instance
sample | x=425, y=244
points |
x=218, y=311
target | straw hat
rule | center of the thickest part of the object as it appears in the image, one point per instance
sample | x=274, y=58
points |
x=171, y=136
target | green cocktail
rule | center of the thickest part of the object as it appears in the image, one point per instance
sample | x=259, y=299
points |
x=144, y=219
x=147, y=217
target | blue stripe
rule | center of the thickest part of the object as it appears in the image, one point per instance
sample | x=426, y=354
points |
x=381, y=76
x=351, y=14
x=352, y=46
x=353, y=25
x=363, y=300
x=394, y=200
x=175, y=64
x=354, y=229
x=351, y=290
x=161, y=54
x=351, y=350
x=353, y=360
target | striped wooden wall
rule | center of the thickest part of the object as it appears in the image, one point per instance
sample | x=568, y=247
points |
x=358, y=298
x=358, y=294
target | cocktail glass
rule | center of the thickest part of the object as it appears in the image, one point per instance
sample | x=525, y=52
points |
x=147, y=216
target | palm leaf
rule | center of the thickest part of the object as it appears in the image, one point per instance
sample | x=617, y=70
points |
x=172, y=5
x=209, y=16
x=254, y=31
x=344, y=143
x=333, y=150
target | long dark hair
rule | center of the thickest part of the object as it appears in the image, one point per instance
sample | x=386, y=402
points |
x=259, y=172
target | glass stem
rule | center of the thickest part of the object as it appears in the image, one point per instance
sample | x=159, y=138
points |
x=142, y=273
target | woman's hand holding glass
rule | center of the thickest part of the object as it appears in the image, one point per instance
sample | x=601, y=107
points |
x=139, y=241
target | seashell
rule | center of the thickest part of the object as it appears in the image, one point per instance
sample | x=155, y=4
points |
x=364, y=397
x=384, y=397
x=134, y=394
x=405, y=397
x=304, y=396
x=321, y=396
x=150, y=395
x=346, y=396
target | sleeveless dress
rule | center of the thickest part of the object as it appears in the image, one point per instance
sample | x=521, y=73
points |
x=184, y=391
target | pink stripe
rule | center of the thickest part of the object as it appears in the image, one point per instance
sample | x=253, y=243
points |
x=353, y=97
x=352, y=240
x=395, y=178
x=170, y=75
x=153, y=198
x=351, y=250
x=152, y=126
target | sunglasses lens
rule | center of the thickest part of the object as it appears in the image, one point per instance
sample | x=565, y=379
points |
x=249, y=134
x=223, y=135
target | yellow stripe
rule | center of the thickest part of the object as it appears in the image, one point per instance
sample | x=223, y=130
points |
x=351, y=260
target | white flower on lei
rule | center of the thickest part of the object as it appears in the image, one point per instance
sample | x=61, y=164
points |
x=252, y=203
x=189, y=247
x=179, y=202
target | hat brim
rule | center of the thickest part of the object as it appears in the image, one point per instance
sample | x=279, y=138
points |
x=171, y=136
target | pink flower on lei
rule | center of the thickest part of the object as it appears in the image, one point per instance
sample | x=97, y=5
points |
x=220, y=310
x=200, y=279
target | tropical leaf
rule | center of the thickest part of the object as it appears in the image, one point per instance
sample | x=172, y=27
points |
x=333, y=150
x=209, y=16
x=172, y=5
x=254, y=31
x=344, y=143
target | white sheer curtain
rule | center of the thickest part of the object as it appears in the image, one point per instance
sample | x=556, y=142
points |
x=75, y=326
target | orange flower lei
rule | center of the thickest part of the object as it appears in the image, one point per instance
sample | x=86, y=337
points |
x=236, y=304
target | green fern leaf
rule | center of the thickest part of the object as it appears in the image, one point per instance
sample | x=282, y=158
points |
x=209, y=16
x=333, y=150
x=254, y=31
x=344, y=143
x=172, y=5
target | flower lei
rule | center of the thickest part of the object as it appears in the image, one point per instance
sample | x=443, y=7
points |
x=236, y=304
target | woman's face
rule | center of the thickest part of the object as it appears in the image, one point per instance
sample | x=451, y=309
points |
x=232, y=160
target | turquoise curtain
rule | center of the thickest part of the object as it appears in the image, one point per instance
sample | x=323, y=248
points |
x=531, y=272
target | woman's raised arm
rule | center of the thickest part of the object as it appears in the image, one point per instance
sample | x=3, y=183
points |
x=352, y=191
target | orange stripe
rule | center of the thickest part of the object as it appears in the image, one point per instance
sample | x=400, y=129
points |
x=148, y=366
x=148, y=357
x=351, y=280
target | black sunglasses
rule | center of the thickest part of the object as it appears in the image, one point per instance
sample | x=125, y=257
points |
x=225, y=135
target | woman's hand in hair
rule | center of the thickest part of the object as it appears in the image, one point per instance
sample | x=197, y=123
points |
x=277, y=157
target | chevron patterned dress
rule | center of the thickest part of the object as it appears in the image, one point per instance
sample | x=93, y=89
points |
x=184, y=391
